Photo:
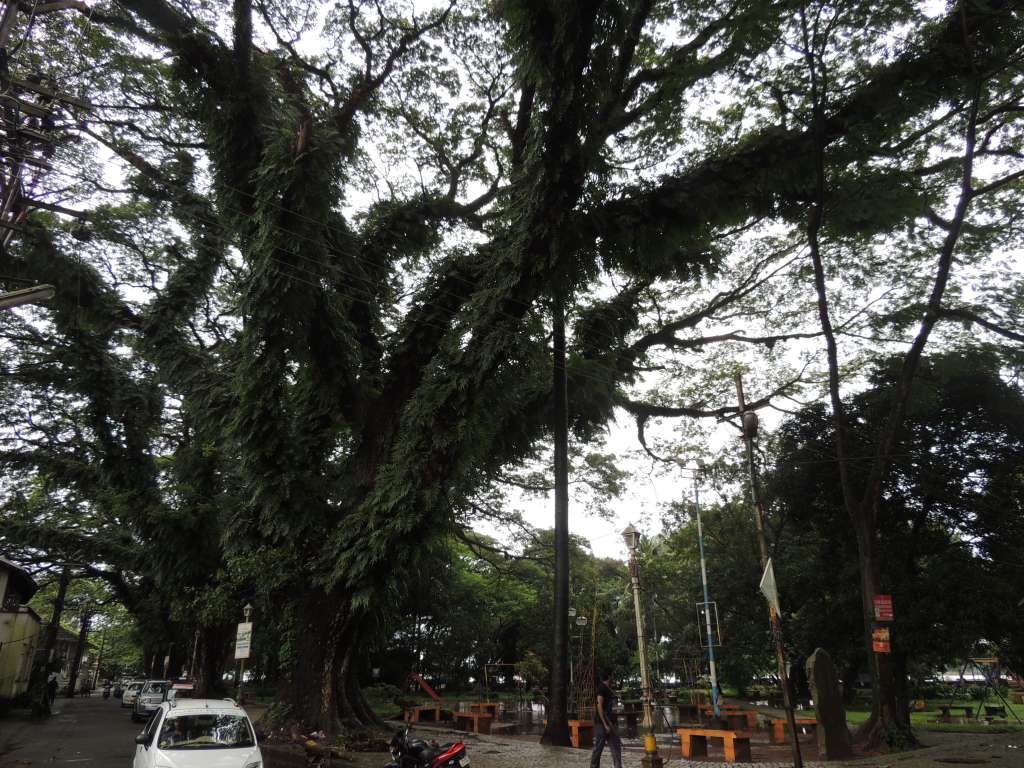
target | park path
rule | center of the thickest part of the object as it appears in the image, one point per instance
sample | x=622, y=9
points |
x=86, y=733
x=944, y=751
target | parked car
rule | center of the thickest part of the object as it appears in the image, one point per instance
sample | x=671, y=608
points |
x=153, y=693
x=198, y=733
x=131, y=693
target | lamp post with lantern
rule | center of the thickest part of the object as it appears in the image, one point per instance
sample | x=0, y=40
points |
x=651, y=758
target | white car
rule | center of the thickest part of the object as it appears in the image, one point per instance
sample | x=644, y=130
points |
x=198, y=733
x=152, y=694
x=131, y=692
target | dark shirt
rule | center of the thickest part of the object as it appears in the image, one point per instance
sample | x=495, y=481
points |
x=609, y=700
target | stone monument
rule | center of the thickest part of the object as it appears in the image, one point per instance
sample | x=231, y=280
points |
x=832, y=734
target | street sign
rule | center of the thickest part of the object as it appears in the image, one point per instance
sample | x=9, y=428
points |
x=880, y=640
x=243, y=640
x=883, y=608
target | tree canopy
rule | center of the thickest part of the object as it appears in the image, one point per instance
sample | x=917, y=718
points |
x=303, y=338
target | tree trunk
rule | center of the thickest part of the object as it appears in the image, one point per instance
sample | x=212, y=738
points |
x=83, y=634
x=322, y=692
x=886, y=717
x=211, y=660
x=557, y=730
x=46, y=663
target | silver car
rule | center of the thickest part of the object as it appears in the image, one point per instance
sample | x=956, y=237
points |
x=152, y=695
x=131, y=692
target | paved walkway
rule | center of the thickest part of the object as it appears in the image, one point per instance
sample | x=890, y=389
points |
x=91, y=733
x=997, y=750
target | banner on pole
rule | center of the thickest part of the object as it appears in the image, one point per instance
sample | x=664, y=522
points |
x=243, y=640
x=769, y=589
x=880, y=640
x=883, y=608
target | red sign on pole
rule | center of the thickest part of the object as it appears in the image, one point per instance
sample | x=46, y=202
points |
x=883, y=608
x=880, y=640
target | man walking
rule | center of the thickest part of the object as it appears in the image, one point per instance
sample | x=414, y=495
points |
x=604, y=724
x=51, y=689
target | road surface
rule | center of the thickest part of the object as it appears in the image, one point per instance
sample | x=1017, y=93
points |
x=84, y=733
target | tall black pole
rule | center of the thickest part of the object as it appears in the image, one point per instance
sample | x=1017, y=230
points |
x=557, y=730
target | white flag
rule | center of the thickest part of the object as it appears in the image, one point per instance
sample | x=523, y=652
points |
x=768, y=588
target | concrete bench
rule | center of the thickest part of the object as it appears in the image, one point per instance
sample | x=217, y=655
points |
x=694, y=743
x=475, y=722
x=581, y=732
x=736, y=717
x=426, y=713
x=488, y=707
x=778, y=726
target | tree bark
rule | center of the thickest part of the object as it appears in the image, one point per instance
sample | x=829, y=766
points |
x=211, y=659
x=323, y=691
x=83, y=634
x=557, y=730
x=885, y=711
x=46, y=664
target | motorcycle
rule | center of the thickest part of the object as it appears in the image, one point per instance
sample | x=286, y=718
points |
x=421, y=754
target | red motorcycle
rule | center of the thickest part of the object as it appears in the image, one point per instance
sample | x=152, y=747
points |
x=421, y=754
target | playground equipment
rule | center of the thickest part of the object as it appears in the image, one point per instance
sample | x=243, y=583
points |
x=988, y=668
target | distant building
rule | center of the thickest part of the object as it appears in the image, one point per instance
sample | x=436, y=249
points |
x=19, y=629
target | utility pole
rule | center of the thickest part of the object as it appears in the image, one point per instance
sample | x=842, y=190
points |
x=195, y=652
x=749, y=422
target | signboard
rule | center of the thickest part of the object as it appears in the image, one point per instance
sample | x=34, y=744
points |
x=880, y=640
x=769, y=589
x=883, y=608
x=243, y=640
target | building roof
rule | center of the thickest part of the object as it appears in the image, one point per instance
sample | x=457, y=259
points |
x=20, y=579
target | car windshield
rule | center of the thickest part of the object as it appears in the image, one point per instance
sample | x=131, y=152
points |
x=206, y=731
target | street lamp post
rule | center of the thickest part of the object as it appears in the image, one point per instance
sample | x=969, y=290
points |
x=651, y=758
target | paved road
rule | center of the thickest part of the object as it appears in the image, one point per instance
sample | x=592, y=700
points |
x=90, y=733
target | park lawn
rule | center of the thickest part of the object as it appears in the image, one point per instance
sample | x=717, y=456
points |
x=925, y=720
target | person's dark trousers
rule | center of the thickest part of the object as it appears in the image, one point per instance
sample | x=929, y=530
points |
x=602, y=737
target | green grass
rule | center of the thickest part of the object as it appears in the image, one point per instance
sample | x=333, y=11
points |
x=859, y=712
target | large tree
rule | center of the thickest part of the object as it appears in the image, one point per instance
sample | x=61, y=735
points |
x=319, y=286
